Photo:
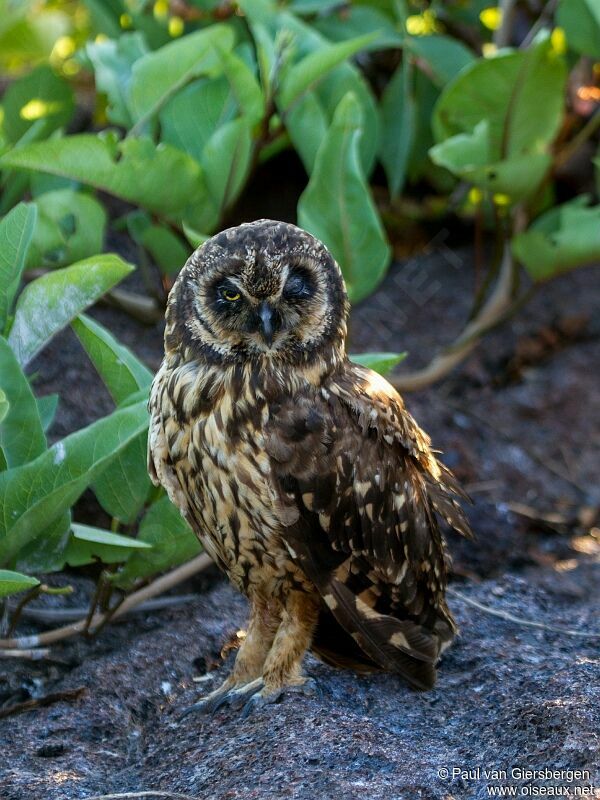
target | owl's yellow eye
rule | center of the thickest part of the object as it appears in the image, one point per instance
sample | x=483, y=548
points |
x=230, y=295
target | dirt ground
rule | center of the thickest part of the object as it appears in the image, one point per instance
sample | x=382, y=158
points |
x=519, y=424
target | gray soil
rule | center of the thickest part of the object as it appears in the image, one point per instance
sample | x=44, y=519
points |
x=519, y=424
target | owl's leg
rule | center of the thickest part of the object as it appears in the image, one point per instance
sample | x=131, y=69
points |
x=246, y=676
x=283, y=666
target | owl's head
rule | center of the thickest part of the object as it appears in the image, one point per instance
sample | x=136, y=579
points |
x=262, y=291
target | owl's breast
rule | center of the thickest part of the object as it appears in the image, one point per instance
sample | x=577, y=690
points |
x=224, y=472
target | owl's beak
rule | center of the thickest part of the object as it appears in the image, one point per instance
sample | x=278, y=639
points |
x=266, y=315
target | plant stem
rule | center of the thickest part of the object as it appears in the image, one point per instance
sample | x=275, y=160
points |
x=160, y=585
x=588, y=130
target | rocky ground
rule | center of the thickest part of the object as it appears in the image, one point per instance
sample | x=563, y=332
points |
x=519, y=424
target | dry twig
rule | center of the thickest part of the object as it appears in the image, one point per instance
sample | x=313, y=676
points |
x=39, y=702
x=530, y=623
x=162, y=584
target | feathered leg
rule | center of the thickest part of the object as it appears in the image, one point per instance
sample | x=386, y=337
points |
x=246, y=676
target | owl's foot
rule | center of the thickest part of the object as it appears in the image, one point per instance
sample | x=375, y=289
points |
x=231, y=694
x=264, y=697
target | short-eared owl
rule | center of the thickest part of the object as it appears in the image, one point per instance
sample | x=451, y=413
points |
x=303, y=475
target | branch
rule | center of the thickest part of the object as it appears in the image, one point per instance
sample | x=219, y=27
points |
x=520, y=620
x=158, y=586
x=502, y=34
x=491, y=314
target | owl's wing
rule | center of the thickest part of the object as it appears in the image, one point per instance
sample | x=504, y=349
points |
x=360, y=489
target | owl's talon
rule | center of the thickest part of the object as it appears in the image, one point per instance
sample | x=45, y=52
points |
x=309, y=687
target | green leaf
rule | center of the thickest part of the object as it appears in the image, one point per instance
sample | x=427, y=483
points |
x=135, y=170
x=306, y=124
x=35, y=494
x=37, y=104
x=123, y=488
x=353, y=20
x=580, y=20
x=21, y=434
x=165, y=247
x=504, y=90
x=226, y=161
x=88, y=544
x=563, y=238
x=52, y=301
x=190, y=118
x=468, y=156
x=4, y=406
x=445, y=56
x=113, y=62
x=47, y=406
x=157, y=76
x=16, y=231
x=13, y=582
x=337, y=207
x=398, y=120
x=244, y=86
x=46, y=553
x=121, y=371
x=173, y=542
x=379, y=362
x=70, y=227
x=313, y=67
x=87, y=533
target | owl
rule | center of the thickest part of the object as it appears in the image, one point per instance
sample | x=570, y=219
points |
x=302, y=473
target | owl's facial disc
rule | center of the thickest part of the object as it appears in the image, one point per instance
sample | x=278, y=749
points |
x=264, y=311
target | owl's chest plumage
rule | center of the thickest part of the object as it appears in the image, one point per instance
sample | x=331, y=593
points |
x=221, y=477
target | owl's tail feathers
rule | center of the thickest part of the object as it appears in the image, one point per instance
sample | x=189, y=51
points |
x=396, y=645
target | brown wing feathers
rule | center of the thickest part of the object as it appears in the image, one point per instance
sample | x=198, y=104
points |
x=363, y=525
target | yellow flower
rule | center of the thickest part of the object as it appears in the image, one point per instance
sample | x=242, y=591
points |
x=125, y=21
x=491, y=18
x=475, y=196
x=176, y=26
x=422, y=24
x=161, y=9
x=558, y=40
x=489, y=49
x=502, y=200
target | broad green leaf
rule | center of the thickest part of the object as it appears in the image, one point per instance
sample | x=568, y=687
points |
x=379, y=362
x=88, y=533
x=561, y=239
x=304, y=75
x=504, y=90
x=580, y=20
x=38, y=103
x=135, y=170
x=445, y=56
x=353, y=20
x=112, y=61
x=190, y=118
x=87, y=545
x=47, y=406
x=35, y=494
x=244, y=86
x=70, y=227
x=157, y=76
x=121, y=371
x=52, y=301
x=398, y=121
x=21, y=434
x=16, y=231
x=337, y=207
x=307, y=124
x=166, y=248
x=4, y=406
x=172, y=539
x=13, y=582
x=226, y=161
x=468, y=157
x=123, y=488
x=46, y=553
